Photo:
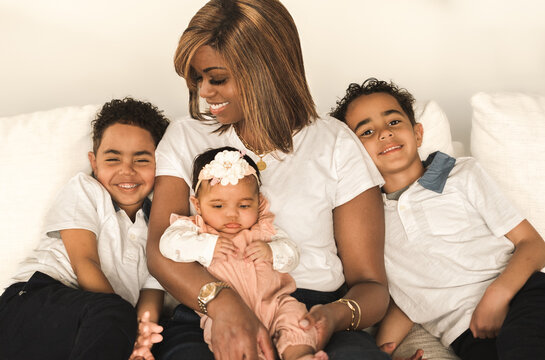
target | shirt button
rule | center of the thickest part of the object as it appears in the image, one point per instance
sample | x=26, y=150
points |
x=132, y=236
x=402, y=208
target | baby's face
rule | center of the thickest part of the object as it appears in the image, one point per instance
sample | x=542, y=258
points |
x=229, y=208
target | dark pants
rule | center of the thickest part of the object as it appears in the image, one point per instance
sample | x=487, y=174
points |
x=522, y=335
x=44, y=319
x=183, y=337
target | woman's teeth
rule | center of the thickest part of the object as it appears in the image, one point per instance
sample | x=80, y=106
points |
x=217, y=106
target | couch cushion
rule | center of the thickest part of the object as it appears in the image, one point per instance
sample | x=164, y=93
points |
x=508, y=139
x=39, y=152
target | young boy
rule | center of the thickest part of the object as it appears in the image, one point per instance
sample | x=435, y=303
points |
x=460, y=259
x=74, y=297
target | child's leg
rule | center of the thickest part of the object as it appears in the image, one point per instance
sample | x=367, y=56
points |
x=522, y=335
x=44, y=319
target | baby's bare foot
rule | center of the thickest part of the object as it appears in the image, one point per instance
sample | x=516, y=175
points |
x=320, y=355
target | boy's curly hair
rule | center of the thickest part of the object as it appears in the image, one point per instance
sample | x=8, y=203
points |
x=372, y=86
x=130, y=112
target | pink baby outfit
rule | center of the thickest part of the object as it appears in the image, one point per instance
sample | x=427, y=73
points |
x=264, y=289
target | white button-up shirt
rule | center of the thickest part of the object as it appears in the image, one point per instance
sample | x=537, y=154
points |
x=445, y=244
x=85, y=204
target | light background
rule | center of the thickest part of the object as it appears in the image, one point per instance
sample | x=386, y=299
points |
x=77, y=52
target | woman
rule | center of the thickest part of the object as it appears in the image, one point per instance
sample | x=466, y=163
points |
x=243, y=57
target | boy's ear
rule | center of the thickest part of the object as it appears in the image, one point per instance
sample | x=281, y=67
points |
x=92, y=160
x=195, y=203
x=418, y=133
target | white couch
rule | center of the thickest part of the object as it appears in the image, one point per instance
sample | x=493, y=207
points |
x=40, y=151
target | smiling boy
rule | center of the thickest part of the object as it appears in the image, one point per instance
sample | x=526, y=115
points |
x=460, y=259
x=75, y=295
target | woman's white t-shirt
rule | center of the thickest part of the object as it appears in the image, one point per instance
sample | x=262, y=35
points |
x=328, y=167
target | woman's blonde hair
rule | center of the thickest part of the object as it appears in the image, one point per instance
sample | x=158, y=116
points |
x=259, y=43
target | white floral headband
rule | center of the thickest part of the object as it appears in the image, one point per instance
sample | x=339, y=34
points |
x=228, y=167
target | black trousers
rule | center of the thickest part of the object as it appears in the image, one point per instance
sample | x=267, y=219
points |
x=44, y=319
x=522, y=335
x=183, y=337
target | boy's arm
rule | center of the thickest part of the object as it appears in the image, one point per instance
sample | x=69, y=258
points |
x=150, y=300
x=148, y=310
x=529, y=257
x=81, y=246
x=393, y=328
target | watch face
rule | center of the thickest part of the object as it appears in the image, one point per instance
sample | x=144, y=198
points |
x=207, y=290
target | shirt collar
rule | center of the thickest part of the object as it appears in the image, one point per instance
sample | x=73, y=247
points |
x=438, y=167
x=146, y=208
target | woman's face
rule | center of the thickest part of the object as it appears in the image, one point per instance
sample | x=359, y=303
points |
x=216, y=85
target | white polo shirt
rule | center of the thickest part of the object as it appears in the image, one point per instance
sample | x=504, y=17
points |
x=445, y=244
x=327, y=168
x=85, y=204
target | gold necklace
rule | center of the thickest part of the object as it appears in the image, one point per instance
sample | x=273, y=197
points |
x=261, y=165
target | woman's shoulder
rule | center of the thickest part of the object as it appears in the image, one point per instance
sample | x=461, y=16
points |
x=188, y=124
x=326, y=123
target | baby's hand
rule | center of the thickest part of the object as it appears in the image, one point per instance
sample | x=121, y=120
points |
x=258, y=251
x=224, y=247
x=148, y=334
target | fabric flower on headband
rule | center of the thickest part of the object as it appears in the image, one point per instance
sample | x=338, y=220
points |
x=228, y=167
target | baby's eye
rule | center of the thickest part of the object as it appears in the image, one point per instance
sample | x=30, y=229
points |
x=217, y=206
x=367, y=132
x=142, y=161
x=244, y=206
x=395, y=122
x=112, y=159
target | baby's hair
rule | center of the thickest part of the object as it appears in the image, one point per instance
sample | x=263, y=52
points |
x=373, y=86
x=206, y=157
x=129, y=111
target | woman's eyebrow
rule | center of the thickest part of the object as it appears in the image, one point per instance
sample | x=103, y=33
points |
x=213, y=68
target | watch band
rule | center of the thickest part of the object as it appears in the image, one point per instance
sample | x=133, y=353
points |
x=208, y=293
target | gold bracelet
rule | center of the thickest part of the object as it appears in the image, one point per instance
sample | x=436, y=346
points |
x=352, y=305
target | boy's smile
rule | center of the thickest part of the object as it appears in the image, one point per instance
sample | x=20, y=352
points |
x=125, y=165
x=388, y=136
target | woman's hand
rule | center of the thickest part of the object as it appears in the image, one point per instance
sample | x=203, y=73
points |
x=323, y=319
x=148, y=334
x=238, y=334
x=258, y=251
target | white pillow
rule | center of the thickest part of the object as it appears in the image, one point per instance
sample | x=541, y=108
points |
x=508, y=139
x=436, y=126
x=39, y=152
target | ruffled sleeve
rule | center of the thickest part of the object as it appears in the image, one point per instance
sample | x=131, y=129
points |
x=185, y=241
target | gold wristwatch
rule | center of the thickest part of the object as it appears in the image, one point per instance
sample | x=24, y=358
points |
x=209, y=292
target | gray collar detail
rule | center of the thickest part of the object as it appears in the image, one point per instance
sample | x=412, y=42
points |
x=438, y=167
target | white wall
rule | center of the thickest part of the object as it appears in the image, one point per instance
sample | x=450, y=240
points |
x=66, y=52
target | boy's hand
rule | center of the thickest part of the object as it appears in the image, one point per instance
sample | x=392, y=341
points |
x=148, y=334
x=224, y=248
x=258, y=251
x=490, y=313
